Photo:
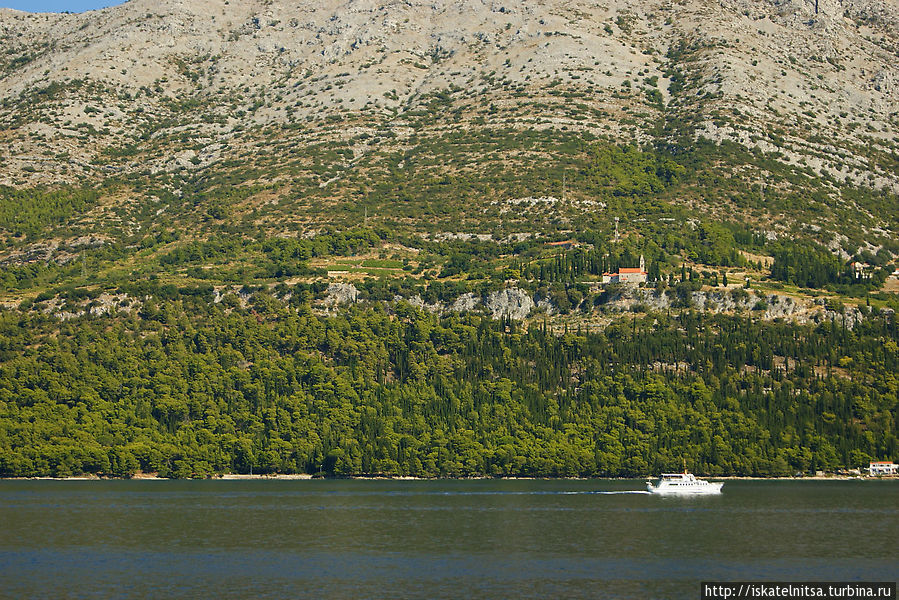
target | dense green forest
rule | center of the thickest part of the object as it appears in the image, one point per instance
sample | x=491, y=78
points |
x=189, y=388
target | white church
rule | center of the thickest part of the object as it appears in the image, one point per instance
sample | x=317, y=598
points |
x=633, y=275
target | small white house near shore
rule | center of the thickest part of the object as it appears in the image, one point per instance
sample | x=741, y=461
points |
x=878, y=468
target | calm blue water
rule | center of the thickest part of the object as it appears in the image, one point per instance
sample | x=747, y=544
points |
x=433, y=539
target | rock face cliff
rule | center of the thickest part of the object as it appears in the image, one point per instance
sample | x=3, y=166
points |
x=173, y=85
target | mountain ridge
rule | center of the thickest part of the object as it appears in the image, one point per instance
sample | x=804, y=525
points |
x=279, y=64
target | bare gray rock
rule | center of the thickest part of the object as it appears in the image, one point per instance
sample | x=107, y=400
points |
x=465, y=302
x=341, y=293
x=418, y=302
x=513, y=303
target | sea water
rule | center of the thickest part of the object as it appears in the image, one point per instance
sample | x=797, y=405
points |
x=434, y=539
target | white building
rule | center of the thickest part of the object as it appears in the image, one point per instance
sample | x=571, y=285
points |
x=883, y=468
x=861, y=270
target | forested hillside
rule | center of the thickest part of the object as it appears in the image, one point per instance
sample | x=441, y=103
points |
x=386, y=238
x=186, y=388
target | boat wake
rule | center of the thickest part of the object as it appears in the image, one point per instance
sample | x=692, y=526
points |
x=608, y=493
x=531, y=493
x=619, y=492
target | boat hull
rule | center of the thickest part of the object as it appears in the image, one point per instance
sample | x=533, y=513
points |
x=699, y=490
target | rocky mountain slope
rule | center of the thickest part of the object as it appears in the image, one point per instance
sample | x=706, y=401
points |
x=814, y=82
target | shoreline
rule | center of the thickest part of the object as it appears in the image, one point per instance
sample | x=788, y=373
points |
x=306, y=476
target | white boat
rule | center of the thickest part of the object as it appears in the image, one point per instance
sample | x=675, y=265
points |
x=683, y=483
